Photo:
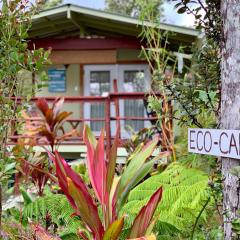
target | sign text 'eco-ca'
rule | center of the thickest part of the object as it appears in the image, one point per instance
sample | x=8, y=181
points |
x=225, y=143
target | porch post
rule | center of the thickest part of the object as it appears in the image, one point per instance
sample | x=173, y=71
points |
x=108, y=124
x=115, y=88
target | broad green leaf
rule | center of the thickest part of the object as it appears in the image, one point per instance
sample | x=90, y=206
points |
x=134, y=166
x=114, y=230
x=142, y=172
x=9, y=167
x=27, y=199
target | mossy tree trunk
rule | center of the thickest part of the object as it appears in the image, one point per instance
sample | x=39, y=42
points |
x=230, y=108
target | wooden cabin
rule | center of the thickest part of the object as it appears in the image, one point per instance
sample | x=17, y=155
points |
x=97, y=67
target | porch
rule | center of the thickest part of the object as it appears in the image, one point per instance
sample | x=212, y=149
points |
x=72, y=147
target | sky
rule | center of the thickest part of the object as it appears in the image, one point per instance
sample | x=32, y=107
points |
x=169, y=12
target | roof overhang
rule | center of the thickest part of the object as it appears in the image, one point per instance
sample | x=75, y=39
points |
x=72, y=20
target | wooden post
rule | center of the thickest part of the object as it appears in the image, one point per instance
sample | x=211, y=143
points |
x=81, y=93
x=115, y=88
x=230, y=108
x=108, y=125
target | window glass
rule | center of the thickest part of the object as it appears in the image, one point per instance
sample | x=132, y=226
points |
x=99, y=86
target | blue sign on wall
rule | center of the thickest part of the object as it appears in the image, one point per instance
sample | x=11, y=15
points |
x=57, y=80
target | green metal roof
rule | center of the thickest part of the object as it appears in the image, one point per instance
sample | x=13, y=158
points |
x=70, y=20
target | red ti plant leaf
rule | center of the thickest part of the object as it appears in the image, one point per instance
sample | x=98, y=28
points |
x=52, y=122
x=49, y=118
x=144, y=217
x=77, y=193
x=96, y=165
x=43, y=106
x=111, y=165
x=57, y=106
x=60, y=119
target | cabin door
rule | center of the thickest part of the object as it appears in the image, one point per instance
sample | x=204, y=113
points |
x=98, y=81
x=133, y=78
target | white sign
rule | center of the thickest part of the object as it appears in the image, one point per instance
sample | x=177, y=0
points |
x=224, y=143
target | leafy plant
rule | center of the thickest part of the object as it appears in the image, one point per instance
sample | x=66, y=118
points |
x=53, y=119
x=15, y=231
x=111, y=197
x=58, y=211
x=132, y=7
x=206, y=14
x=185, y=193
x=31, y=167
x=15, y=59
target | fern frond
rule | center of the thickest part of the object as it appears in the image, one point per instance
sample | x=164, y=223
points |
x=185, y=191
x=60, y=211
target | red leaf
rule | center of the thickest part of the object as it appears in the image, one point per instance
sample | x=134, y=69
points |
x=42, y=105
x=100, y=170
x=60, y=118
x=97, y=166
x=144, y=217
x=57, y=106
x=49, y=117
x=62, y=181
x=112, y=163
x=77, y=193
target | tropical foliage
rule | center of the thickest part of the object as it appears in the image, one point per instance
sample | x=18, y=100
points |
x=146, y=200
x=49, y=130
x=59, y=212
x=132, y=7
x=185, y=190
x=111, y=198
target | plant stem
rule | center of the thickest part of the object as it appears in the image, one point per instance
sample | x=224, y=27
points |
x=198, y=217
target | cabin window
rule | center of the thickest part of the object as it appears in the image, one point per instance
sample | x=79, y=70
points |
x=99, y=86
x=134, y=81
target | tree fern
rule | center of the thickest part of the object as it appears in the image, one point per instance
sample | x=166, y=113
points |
x=185, y=192
x=60, y=211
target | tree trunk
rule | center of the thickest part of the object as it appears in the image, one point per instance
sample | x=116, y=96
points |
x=230, y=106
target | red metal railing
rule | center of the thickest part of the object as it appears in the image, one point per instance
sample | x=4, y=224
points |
x=109, y=101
